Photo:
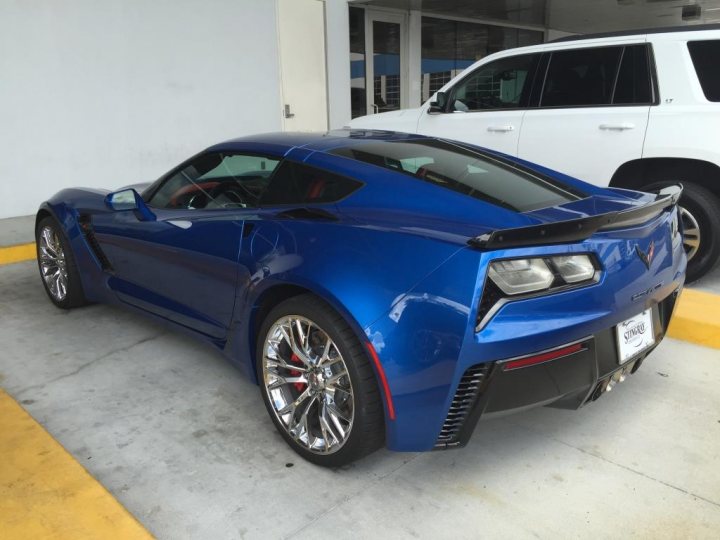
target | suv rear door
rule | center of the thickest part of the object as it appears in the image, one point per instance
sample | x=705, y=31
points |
x=486, y=107
x=591, y=110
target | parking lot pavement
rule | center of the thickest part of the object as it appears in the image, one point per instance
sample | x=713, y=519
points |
x=184, y=442
x=710, y=282
x=17, y=230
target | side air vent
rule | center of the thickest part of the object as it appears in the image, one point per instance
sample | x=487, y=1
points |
x=465, y=396
x=86, y=228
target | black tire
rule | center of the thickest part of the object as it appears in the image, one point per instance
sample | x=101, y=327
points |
x=704, y=207
x=74, y=296
x=367, y=432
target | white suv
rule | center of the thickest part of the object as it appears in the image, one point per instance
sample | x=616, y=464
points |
x=629, y=110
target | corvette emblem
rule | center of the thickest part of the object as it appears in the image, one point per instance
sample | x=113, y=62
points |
x=646, y=258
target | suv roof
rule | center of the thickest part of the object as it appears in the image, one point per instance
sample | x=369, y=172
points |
x=641, y=32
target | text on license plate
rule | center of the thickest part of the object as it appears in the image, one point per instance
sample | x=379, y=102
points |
x=634, y=335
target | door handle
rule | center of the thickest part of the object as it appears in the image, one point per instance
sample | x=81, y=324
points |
x=501, y=129
x=288, y=114
x=617, y=127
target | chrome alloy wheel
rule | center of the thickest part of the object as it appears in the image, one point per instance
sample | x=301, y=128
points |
x=53, y=265
x=308, y=384
x=691, y=233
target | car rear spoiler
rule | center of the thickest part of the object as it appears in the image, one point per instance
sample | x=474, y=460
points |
x=575, y=230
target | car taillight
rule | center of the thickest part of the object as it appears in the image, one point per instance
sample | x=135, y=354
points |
x=520, y=278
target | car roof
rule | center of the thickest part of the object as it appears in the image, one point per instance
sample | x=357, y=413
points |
x=283, y=142
x=703, y=31
x=642, y=32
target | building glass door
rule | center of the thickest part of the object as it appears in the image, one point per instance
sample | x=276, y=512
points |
x=378, y=59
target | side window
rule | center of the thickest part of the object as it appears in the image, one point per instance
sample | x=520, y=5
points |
x=216, y=180
x=581, y=77
x=501, y=84
x=705, y=56
x=633, y=85
x=299, y=184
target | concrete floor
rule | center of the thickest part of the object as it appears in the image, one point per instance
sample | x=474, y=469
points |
x=184, y=442
x=710, y=282
x=18, y=230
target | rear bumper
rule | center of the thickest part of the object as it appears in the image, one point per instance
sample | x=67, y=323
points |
x=571, y=381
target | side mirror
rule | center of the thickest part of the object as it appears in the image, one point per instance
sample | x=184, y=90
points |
x=129, y=199
x=440, y=103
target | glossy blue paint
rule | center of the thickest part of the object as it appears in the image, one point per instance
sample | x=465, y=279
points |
x=395, y=264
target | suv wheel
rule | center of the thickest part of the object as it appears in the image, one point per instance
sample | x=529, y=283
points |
x=700, y=217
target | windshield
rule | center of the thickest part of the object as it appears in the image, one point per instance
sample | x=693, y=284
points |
x=454, y=167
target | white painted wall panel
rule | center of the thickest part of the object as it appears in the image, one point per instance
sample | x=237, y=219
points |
x=115, y=92
x=301, y=37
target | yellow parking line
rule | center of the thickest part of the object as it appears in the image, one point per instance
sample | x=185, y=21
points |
x=697, y=318
x=45, y=493
x=19, y=253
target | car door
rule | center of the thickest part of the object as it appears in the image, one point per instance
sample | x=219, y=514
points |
x=486, y=107
x=185, y=264
x=592, y=112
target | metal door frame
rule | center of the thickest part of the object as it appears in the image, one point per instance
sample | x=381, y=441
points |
x=371, y=16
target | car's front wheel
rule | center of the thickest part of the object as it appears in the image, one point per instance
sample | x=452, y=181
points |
x=317, y=383
x=56, y=263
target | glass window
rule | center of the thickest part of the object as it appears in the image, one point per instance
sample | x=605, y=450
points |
x=448, y=47
x=705, y=55
x=501, y=84
x=454, y=167
x=216, y=180
x=633, y=81
x=296, y=183
x=357, y=62
x=386, y=65
x=581, y=77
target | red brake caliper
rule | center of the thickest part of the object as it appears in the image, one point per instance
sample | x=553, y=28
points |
x=299, y=386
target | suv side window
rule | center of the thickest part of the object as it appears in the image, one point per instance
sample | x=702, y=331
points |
x=216, y=180
x=503, y=84
x=633, y=85
x=300, y=184
x=705, y=56
x=579, y=77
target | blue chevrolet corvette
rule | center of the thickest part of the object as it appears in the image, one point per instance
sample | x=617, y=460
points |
x=382, y=288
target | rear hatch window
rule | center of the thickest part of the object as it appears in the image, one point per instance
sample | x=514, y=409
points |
x=471, y=173
x=705, y=56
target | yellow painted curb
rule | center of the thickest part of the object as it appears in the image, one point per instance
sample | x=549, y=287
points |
x=19, y=253
x=45, y=493
x=697, y=318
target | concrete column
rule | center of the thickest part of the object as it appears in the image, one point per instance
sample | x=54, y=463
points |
x=414, y=57
x=337, y=52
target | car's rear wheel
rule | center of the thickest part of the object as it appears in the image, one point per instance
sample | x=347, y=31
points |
x=700, y=216
x=317, y=383
x=56, y=263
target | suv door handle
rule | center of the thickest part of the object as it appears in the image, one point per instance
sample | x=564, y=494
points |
x=617, y=127
x=501, y=128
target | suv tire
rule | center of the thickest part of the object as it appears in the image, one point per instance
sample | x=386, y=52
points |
x=699, y=209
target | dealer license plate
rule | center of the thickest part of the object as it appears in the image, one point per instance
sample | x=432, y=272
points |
x=635, y=335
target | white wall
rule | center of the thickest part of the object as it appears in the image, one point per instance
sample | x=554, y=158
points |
x=106, y=93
